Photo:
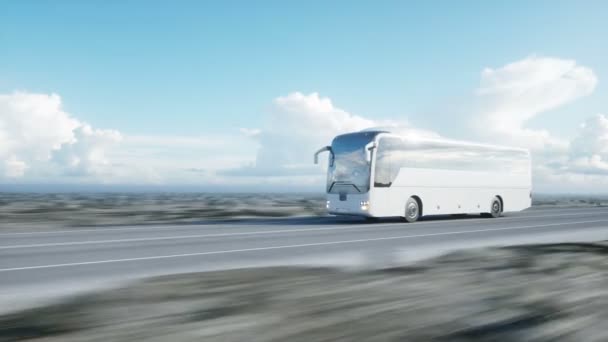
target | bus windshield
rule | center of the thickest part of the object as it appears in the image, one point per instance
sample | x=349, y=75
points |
x=350, y=170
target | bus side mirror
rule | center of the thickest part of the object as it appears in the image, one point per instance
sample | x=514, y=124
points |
x=368, y=151
x=326, y=148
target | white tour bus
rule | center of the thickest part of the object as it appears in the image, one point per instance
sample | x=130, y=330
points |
x=380, y=174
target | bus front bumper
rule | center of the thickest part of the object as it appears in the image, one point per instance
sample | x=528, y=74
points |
x=355, y=204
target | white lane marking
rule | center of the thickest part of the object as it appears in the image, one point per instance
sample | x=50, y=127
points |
x=220, y=226
x=197, y=236
x=540, y=209
x=180, y=237
x=232, y=251
x=64, y=231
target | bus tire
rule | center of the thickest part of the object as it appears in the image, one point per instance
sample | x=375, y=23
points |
x=495, y=208
x=412, y=210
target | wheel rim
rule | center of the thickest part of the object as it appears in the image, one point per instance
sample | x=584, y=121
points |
x=412, y=210
x=496, y=207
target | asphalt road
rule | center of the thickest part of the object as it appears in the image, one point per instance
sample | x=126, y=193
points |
x=36, y=265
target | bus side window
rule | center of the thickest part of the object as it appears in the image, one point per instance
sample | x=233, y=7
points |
x=382, y=176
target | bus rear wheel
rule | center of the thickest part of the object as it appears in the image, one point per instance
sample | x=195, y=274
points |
x=495, y=208
x=412, y=210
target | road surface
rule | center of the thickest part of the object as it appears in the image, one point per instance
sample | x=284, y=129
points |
x=36, y=265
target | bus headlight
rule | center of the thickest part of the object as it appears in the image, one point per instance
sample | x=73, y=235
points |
x=327, y=205
x=365, y=205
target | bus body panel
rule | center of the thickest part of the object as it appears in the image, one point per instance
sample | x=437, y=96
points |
x=442, y=201
x=454, y=192
x=463, y=178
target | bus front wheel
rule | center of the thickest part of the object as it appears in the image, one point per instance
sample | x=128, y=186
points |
x=412, y=210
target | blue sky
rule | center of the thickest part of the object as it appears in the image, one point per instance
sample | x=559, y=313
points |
x=197, y=68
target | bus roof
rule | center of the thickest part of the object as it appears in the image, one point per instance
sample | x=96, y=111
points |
x=418, y=138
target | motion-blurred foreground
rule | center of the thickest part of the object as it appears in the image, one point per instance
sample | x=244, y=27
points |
x=528, y=293
x=88, y=209
x=91, y=209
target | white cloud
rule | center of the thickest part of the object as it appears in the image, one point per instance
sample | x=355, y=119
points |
x=295, y=127
x=583, y=167
x=180, y=159
x=592, y=138
x=40, y=141
x=250, y=132
x=589, y=149
x=86, y=154
x=33, y=125
x=38, y=136
x=14, y=168
x=512, y=95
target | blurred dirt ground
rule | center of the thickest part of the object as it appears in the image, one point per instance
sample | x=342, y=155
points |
x=526, y=293
x=74, y=209
x=91, y=209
